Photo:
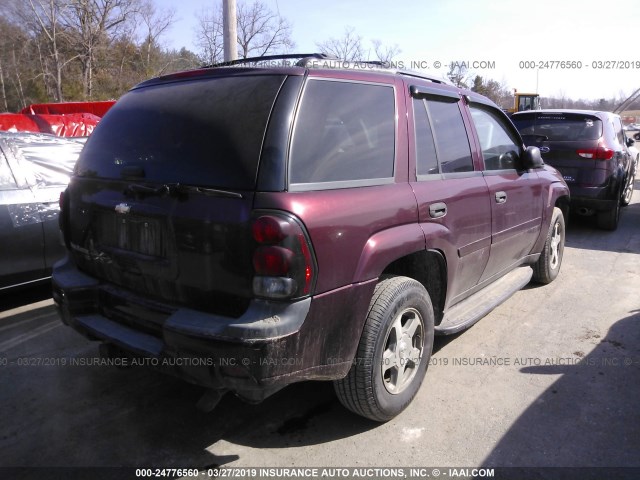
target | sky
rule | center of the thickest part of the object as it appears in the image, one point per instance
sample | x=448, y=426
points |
x=522, y=44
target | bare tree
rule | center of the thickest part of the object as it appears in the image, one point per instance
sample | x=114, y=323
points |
x=57, y=50
x=563, y=98
x=123, y=62
x=94, y=22
x=4, y=90
x=384, y=53
x=349, y=47
x=496, y=91
x=155, y=23
x=260, y=32
x=209, y=35
x=5, y=47
x=18, y=80
x=458, y=74
x=44, y=19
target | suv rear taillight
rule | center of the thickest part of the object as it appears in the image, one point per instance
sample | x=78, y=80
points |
x=283, y=260
x=600, y=153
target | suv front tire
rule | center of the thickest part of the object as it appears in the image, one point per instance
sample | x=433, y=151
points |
x=547, y=267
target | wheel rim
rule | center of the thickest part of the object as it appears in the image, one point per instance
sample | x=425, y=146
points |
x=402, y=351
x=555, y=246
x=629, y=191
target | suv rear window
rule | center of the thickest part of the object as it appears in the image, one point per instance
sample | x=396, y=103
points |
x=345, y=131
x=559, y=127
x=198, y=132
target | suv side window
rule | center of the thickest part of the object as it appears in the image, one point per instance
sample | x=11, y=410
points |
x=426, y=158
x=452, y=144
x=344, y=132
x=499, y=149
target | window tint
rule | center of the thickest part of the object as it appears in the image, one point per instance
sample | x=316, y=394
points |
x=450, y=135
x=199, y=132
x=426, y=160
x=344, y=131
x=499, y=150
x=558, y=127
x=7, y=182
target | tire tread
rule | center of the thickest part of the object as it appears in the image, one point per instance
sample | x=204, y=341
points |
x=541, y=271
x=356, y=390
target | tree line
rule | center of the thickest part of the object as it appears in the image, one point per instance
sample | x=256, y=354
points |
x=502, y=95
x=83, y=50
x=73, y=50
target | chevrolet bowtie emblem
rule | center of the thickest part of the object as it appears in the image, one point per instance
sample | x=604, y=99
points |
x=123, y=208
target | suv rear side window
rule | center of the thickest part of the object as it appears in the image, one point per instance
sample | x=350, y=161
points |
x=426, y=158
x=558, y=127
x=200, y=132
x=450, y=135
x=344, y=131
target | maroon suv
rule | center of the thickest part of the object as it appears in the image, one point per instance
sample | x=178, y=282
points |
x=248, y=227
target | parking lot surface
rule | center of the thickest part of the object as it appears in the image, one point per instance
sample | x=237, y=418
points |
x=551, y=378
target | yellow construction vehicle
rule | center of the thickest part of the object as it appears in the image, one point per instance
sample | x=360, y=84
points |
x=524, y=101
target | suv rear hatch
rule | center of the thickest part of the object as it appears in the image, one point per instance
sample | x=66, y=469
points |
x=570, y=142
x=161, y=199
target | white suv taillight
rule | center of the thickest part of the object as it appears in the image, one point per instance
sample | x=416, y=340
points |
x=283, y=260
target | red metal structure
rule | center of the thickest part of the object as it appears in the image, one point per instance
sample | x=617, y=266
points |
x=69, y=119
x=96, y=108
x=71, y=125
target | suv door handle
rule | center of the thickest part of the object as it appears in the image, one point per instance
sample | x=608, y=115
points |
x=501, y=197
x=437, y=210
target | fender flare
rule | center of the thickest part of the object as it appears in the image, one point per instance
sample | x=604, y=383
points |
x=387, y=246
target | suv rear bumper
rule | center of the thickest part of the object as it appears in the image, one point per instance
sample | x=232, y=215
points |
x=596, y=198
x=597, y=204
x=271, y=345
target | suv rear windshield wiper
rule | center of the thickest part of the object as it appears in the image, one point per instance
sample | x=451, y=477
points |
x=178, y=189
x=214, y=192
x=137, y=189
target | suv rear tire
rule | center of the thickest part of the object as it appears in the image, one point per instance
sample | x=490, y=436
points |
x=608, y=220
x=393, y=353
x=547, y=267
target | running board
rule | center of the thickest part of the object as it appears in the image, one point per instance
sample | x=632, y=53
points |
x=472, y=309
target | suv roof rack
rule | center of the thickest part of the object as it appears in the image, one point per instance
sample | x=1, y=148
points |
x=432, y=78
x=306, y=60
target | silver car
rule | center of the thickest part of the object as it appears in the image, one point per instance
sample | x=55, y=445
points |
x=34, y=170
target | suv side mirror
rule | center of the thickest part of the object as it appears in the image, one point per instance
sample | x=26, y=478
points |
x=630, y=142
x=532, y=158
